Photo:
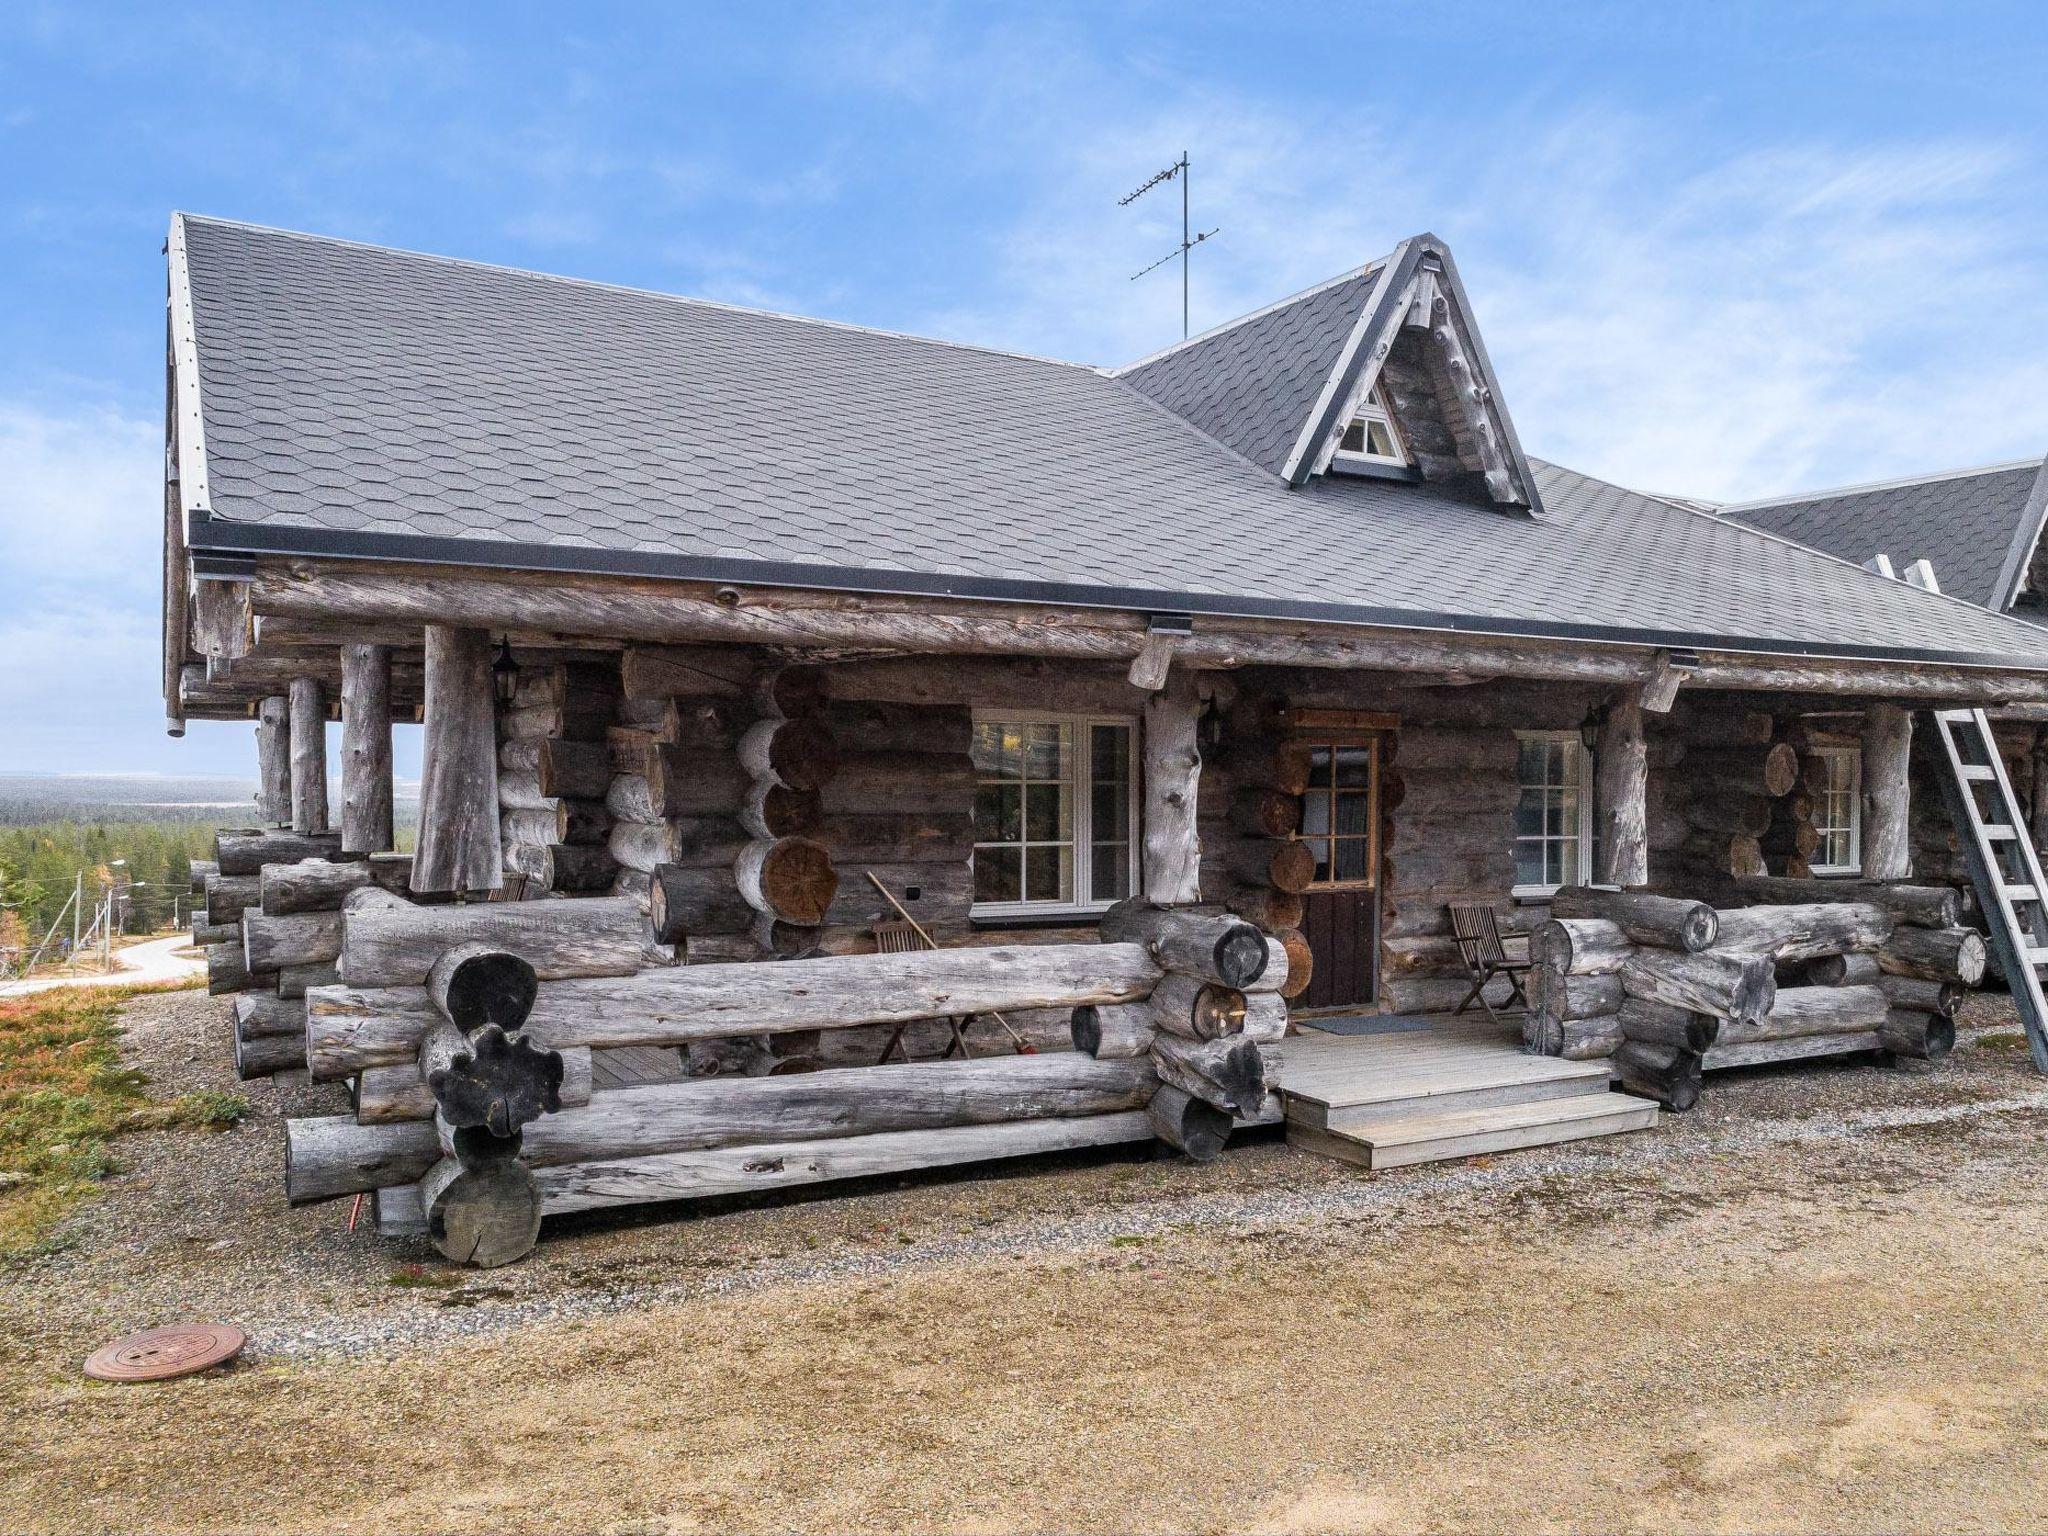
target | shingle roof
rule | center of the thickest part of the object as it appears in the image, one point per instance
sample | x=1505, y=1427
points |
x=1251, y=384
x=1976, y=527
x=361, y=401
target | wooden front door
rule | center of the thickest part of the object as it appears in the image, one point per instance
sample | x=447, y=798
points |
x=1340, y=821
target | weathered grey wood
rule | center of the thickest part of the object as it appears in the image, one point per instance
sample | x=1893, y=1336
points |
x=474, y=984
x=1922, y=996
x=1188, y=1124
x=644, y=846
x=458, y=846
x=667, y=612
x=259, y=1015
x=1917, y=906
x=791, y=879
x=241, y=854
x=1265, y=907
x=265, y=1055
x=1887, y=792
x=1559, y=997
x=321, y=885
x=1590, y=1039
x=629, y=798
x=1811, y=1011
x=1806, y=932
x=304, y=938
x=1667, y=922
x=489, y=1080
x=229, y=896
x=484, y=1216
x=366, y=814
x=1205, y=945
x=573, y=770
x=781, y=1165
x=1656, y=1023
x=685, y=902
x=227, y=969
x=1760, y=1053
x=200, y=870
x=1844, y=971
x=274, y=761
x=1228, y=1073
x=294, y=980
x=519, y=790
x=800, y=754
x=1259, y=812
x=1621, y=794
x=1113, y=1031
x=1580, y=946
x=351, y=1027
x=1662, y=1072
x=1935, y=954
x=309, y=755
x=734, y=1111
x=1195, y=1009
x=389, y=942
x=387, y=1095
x=205, y=933
x=1726, y=983
x=328, y=1156
x=1171, y=774
x=1908, y=1032
x=1716, y=805
x=561, y=867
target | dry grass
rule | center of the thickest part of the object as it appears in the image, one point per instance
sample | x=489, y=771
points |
x=65, y=1097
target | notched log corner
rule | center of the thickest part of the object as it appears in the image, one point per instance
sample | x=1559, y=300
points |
x=499, y=1084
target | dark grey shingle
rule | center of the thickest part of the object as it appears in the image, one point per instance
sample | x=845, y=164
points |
x=353, y=389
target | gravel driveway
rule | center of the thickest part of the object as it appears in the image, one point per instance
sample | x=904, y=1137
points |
x=1818, y=1302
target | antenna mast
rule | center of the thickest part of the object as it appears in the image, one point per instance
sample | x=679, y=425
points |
x=1177, y=170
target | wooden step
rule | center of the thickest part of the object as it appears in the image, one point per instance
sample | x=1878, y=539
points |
x=1403, y=1138
x=1446, y=1095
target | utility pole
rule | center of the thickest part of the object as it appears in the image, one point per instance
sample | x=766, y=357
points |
x=77, y=909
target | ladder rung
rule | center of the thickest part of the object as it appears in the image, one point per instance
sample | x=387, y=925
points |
x=2036, y=956
x=1999, y=832
x=1978, y=772
x=1956, y=716
x=2018, y=893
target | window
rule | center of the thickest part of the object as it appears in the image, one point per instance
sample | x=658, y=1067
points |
x=1371, y=438
x=1336, y=814
x=1838, y=812
x=1554, y=816
x=1054, y=810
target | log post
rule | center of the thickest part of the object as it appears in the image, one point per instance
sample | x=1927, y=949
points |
x=309, y=755
x=366, y=749
x=274, y=761
x=458, y=837
x=2040, y=796
x=1887, y=759
x=1172, y=772
x=1621, y=794
x=1189, y=1124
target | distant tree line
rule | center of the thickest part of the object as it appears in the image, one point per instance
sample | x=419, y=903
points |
x=39, y=866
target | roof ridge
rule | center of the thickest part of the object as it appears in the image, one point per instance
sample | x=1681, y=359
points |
x=645, y=293
x=1932, y=478
x=1245, y=319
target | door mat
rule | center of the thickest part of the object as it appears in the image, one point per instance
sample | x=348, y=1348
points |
x=1366, y=1024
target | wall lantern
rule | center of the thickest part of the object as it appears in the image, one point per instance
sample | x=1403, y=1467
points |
x=505, y=674
x=1591, y=726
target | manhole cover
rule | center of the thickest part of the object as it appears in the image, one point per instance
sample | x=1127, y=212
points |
x=157, y=1354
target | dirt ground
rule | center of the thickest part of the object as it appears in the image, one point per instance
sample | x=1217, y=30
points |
x=1820, y=1302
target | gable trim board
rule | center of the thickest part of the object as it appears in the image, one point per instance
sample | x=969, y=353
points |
x=2026, y=538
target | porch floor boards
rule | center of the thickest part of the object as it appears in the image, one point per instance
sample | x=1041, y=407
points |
x=1461, y=1087
x=634, y=1066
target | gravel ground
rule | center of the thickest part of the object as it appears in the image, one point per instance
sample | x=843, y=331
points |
x=1815, y=1302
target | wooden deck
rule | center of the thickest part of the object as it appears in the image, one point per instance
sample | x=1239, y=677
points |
x=1458, y=1087
x=632, y=1066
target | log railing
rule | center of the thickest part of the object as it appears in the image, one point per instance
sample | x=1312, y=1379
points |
x=1668, y=988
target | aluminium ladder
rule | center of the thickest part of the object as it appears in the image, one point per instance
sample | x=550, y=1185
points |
x=2004, y=867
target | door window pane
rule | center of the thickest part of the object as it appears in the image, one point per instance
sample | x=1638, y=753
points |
x=1337, y=814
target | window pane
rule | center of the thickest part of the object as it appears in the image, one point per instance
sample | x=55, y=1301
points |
x=998, y=813
x=1353, y=440
x=1354, y=767
x=996, y=876
x=1319, y=768
x=1351, y=858
x=998, y=750
x=1351, y=814
x=1049, y=872
x=1567, y=862
x=1528, y=864
x=1048, y=812
x=1111, y=871
x=1379, y=440
x=1320, y=847
x=1529, y=815
x=1111, y=809
x=1315, y=815
x=1110, y=753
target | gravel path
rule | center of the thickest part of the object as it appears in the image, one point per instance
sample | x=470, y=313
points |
x=138, y=965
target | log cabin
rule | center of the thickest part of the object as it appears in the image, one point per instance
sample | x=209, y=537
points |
x=847, y=752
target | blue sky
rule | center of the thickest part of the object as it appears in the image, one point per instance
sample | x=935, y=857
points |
x=1721, y=250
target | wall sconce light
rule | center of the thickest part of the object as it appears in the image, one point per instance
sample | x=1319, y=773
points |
x=1592, y=725
x=1210, y=726
x=505, y=674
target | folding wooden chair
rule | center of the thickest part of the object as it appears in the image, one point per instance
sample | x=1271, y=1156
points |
x=1479, y=941
x=900, y=938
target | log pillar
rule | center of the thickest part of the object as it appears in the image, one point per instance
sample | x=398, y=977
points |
x=1172, y=767
x=309, y=755
x=458, y=841
x=1887, y=793
x=366, y=749
x=274, y=762
x=2040, y=805
x=1621, y=795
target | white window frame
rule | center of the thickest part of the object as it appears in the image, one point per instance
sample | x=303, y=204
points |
x=1853, y=757
x=1373, y=408
x=1576, y=746
x=1082, y=837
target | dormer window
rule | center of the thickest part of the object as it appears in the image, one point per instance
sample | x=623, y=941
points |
x=1371, y=438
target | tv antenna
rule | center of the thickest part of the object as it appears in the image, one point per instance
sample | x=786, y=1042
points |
x=1176, y=171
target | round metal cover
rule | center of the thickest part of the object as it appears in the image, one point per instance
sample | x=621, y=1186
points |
x=157, y=1354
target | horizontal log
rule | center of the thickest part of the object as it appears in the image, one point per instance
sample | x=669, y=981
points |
x=575, y=770
x=227, y=969
x=1916, y=906
x=1920, y=996
x=1761, y=1053
x=1663, y=921
x=1665, y=1073
x=1717, y=807
x=267, y=1055
x=691, y=781
x=1197, y=1010
x=1791, y=934
x=870, y=783
x=328, y=1156
x=1590, y=1039
x=1188, y=1124
x=1580, y=946
x=321, y=885
x=559, y=867
x=522, y=792
x=1206, y=946
x=1907, y=1032
x=1559, y=998
x=295, y=980
x=1728, y=984
x=1228, y=1073
x=738, y=1111
x=687, y=671
x=229, y=896
x=205, y=933
x=389, y=1095
x=262, y=1014
x=1662, y=1024
x=304, y=938
x=1264, y=907
x=389, y=943
x=1811, y=1011
x=788, y=1164
x=351, y=1027
x=800, y=753
x=1844, y=971
x=1301, y=963
x=1935, y=954
x=245, y=853
x=1113, y=1031
x=482, y=1213
x=1257, y=811
x=1283, y=863
x=887, y=726
x=198, y=870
